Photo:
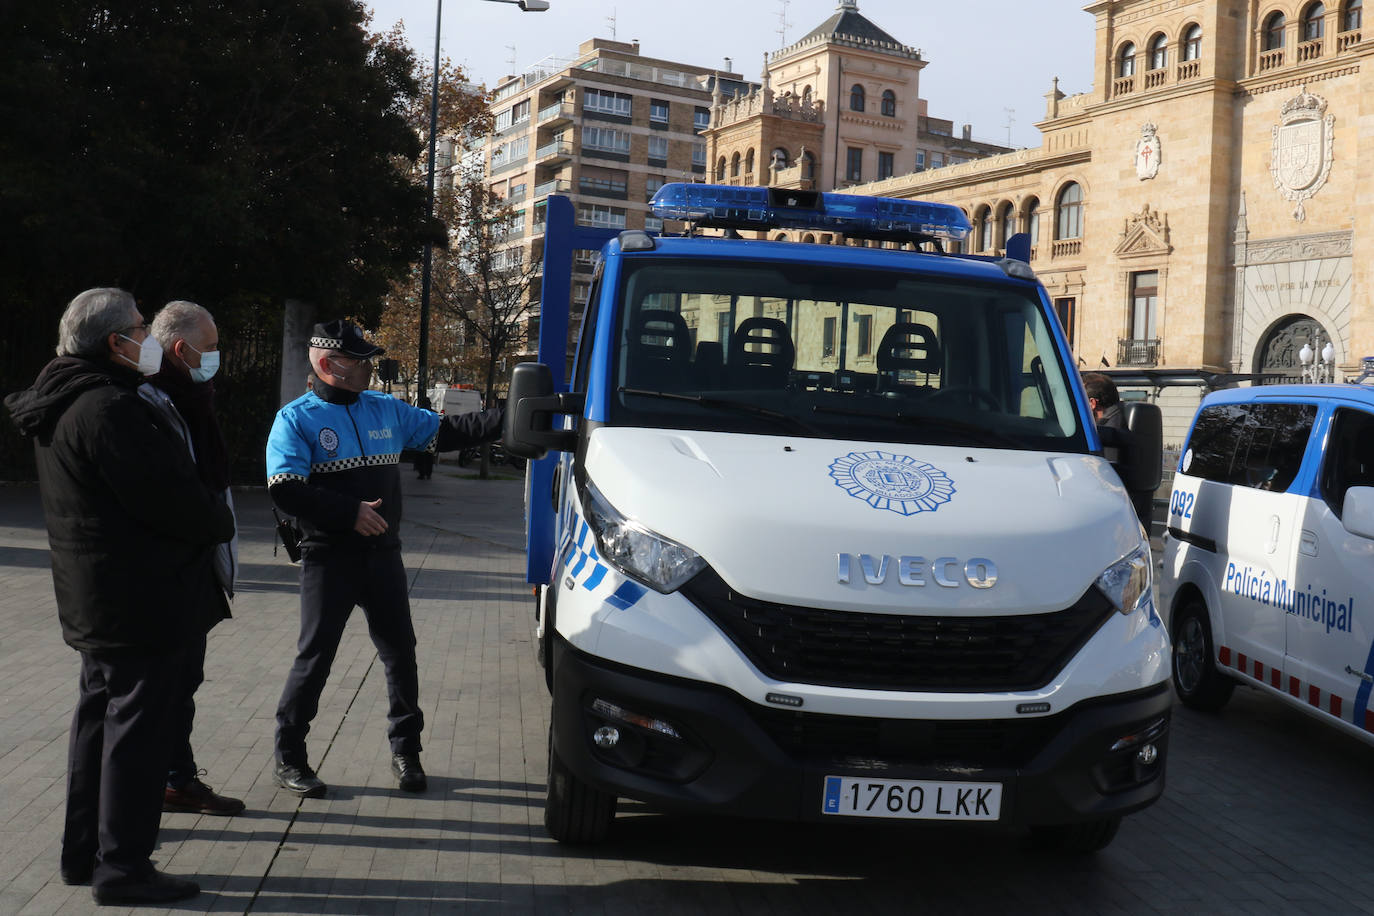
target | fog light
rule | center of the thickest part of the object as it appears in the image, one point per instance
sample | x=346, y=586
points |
x=1147, y=755
x=612, y=711
x=606, y=736
x=1141, y=738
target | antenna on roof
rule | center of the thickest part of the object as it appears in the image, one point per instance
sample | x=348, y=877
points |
x=510, y=61
x=1011, y=119
x=783, y=24
x=610, y=20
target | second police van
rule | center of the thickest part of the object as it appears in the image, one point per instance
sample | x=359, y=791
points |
x=826, y=533
x=1269, y=551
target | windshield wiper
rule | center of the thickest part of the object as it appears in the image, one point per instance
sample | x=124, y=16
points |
x=742, y=406
x=979, y=434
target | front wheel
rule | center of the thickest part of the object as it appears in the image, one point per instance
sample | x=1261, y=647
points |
x=1197, y=680
x=574, y=812
x=1084, y=838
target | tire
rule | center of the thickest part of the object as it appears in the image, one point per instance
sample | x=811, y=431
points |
x=574, y=812
x=1080, y=839
x=1197, y=680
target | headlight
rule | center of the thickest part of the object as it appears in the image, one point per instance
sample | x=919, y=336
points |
x=639, y=553
x=1127, y=582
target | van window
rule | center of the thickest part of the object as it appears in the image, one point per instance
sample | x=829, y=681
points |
x=1349, y=460
x=1250, y=445
x=788, y=348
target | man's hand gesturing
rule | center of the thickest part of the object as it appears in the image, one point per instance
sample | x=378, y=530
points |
x=369, y=523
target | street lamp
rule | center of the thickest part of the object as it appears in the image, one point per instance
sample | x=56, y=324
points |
x=427, y=270
x=1320, y=371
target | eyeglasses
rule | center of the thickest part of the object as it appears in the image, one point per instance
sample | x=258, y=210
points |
x=135, y=327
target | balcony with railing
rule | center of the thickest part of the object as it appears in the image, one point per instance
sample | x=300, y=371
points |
x=558, y=111
x=1066, y=248
x=1268, y=60
x=1155, y=78
x=1131, y=351
x=1347, y=40
x=1123, y=85
x=1189, y=70
x=1309, y=50
x=557, y=186
x=557, y=151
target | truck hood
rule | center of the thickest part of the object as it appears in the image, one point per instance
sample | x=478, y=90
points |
x=772, y=516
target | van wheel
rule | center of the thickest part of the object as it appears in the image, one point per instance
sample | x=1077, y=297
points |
x=1082, y=839
x=574, y=812
x=1196, y=678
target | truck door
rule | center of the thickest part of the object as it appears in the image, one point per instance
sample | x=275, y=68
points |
x=1330, y=647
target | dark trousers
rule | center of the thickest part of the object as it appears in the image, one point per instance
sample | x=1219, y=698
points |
x=182, y=768
x=117, y=763
x=333, y=582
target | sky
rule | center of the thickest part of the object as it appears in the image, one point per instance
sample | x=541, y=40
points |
x=990, y=62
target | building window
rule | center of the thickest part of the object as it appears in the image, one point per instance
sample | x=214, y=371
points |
x=723, y=328
x=653, y=224
x=886, y=165
x=603, y=102
x=749, y=162
x=889, y=103
x=658, y=111
x=602, y=182
x=1352, y=18
x=651, y=186
x=1159, y=52
x=1008, y=222
x=1069, y=212
x=606, y=139
x=1144, y=304
x=1065, y=308
x=701, y=118
x=1273, y=31
x=1125, y=60
x=601, y=217
x=1033, y=220
x=734, y=165
x=699, y=154
x=865, y=334
x=984, y=221
x=828, y=338
x=854, y=164
x=1192, y=42
x=518, y=113
x=720, y=169
x=920, y=160
x=658, y=148
x=856, y=97
x=1313, y=22
x=937, y=160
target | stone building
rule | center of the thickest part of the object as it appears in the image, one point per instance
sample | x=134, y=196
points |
x=1197, y=209
x=837, y=108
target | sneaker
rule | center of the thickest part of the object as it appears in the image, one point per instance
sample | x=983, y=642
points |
x=299, y=780
x=409, y=774
x=198, y=798
x=156, y=887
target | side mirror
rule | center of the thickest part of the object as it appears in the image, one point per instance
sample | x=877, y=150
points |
x=1357, y=512
x=530, y=406
x=1143, y=468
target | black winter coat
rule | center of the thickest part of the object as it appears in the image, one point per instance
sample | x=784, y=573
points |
x=131, y=527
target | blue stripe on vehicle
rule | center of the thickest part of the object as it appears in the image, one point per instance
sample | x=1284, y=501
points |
x=627, y=595
x=1362, y=695
x=595, y=578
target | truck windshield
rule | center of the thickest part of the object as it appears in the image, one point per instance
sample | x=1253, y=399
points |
x=797, y=349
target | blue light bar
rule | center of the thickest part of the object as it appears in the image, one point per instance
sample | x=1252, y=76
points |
x=730, y=207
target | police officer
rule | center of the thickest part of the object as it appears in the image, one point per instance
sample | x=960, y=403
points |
x=333, y=462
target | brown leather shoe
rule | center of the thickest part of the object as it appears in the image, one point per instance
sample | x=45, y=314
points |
x=198, y=798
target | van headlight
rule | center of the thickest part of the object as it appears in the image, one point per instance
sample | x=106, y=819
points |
x=1128, y=582
x=639, y=553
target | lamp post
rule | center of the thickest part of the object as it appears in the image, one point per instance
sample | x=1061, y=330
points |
x=427, y=269
x=1321, y=370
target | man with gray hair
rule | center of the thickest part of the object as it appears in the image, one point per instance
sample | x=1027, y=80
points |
x=185, y=395
x=130, y=527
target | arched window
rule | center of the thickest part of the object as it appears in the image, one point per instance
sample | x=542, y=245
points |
x=1125, y=60
x=1032, y=211
x=1008, y=221
x=984, y=221
x=720, y=169
x=1273, y=31
x=779, y=159
x=1352, y=17
x=749, y=162
x=889, y=103
x=734, y=166
x=1159, y=52
x=1069, y=213
x=856, y=97
x=806, y=95
x=1313, y=21
x=808, y=165
x=809, y=239
x=1192, y=42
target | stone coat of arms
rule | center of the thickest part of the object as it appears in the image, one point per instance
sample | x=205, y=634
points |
x=1303, y=148
x=1147, y=151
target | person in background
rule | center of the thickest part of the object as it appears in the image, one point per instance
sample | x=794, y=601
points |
x=424, y=458
x=333, y=462
x=183, y=392
x=1117, y=440
x=132, y=530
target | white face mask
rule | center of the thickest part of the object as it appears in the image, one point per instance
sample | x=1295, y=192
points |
x=149, y=355
x=209, y=364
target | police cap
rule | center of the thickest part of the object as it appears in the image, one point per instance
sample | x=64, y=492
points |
x=344, y=337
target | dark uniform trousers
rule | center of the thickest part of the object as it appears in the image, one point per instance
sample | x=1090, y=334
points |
x=333, y=581
x=182, y=768
x=117, y=762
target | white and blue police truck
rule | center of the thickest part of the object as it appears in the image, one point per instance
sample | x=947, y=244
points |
x=823, y=532
x=1269, y=551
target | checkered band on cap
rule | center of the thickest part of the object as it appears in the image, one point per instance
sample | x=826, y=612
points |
x=327, y=343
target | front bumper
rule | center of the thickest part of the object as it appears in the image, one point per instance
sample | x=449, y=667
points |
x=735, y=757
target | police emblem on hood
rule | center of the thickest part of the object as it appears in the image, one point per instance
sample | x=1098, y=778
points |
x=897, y=483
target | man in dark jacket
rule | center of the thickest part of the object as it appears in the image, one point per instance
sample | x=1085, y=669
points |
x=132, y=532
x=183, y=392
x=333, y=462
x=1118, y=442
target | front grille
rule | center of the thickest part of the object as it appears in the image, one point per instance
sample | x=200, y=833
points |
x=854, y=740
x=830, y=648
